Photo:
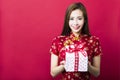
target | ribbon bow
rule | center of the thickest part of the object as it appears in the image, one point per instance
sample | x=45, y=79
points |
x=76, y=49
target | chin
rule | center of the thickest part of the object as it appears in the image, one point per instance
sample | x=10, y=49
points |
x=76, y=31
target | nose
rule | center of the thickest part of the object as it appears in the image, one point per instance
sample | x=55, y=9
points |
x=75, y=22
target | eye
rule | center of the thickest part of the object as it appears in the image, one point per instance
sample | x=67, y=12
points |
x=71, y=18
x=79, y=18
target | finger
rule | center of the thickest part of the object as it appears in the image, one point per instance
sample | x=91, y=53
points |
x=62, y=62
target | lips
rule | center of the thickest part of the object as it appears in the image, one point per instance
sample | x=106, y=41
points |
x=76, y=27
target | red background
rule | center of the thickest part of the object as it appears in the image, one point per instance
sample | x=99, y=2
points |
x=27, y=28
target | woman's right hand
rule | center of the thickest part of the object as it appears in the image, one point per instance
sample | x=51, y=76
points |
x=55, y=68
x=62, y=63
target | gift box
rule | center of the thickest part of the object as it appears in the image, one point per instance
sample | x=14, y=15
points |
x=76, y=59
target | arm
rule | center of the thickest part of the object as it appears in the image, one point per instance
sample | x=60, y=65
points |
x=95, y=68
x=55, y=69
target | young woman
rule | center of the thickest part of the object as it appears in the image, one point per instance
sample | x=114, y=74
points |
x=75, y=32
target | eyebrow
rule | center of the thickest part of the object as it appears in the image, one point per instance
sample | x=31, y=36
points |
x=77, y=16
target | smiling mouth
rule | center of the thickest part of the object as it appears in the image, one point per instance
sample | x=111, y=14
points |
x=76, y=27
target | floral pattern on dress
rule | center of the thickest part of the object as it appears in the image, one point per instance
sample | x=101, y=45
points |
x=90, y=44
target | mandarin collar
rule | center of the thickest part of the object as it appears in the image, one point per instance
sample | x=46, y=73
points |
x=73, y=37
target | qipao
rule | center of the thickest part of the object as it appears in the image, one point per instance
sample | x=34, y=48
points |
x=88, y=45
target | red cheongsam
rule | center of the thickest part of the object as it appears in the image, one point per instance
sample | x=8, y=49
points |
x=90, y=44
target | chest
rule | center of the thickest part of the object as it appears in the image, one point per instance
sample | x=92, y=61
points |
x=74, y=46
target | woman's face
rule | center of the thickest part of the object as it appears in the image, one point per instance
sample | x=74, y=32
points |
x=76, y=21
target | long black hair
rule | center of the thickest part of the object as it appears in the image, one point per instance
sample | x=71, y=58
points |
x=66, y=29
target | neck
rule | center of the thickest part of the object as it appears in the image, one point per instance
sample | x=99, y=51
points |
x=77, y=34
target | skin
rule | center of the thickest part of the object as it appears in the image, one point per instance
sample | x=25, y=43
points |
x=76, y=23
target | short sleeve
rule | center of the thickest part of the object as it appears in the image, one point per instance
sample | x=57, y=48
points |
x=54, y=46
x=97, y=48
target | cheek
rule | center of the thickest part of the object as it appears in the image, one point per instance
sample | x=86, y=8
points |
x=70, y=23
x=81, y=22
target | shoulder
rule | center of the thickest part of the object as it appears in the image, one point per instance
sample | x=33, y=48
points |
x=95, y=38
x=92, y=37
x=59, y=38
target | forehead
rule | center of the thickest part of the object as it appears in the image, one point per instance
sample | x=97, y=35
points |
x=76, y=12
